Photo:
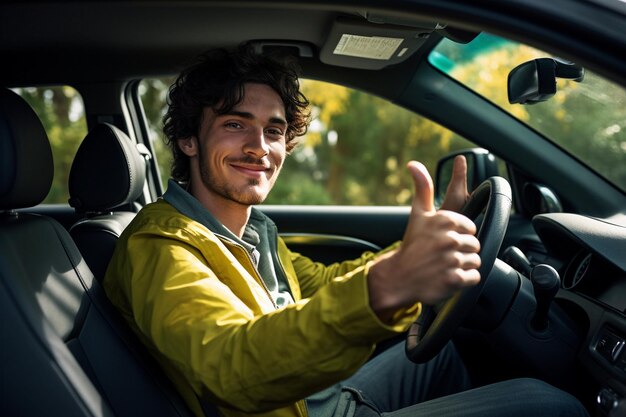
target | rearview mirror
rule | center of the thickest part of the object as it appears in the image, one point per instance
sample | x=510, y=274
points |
x=480, y=165
x=535, y=81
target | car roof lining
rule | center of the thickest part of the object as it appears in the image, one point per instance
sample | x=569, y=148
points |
x=123, y=40
x=102, y=42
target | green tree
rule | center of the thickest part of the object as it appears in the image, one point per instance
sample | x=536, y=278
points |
x=587, y=119
x=358, y=146
x=61, y=111
x=153, y=93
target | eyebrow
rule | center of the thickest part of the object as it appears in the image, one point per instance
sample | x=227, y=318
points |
x=250, y=116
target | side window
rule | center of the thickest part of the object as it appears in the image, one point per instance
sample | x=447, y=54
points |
x=153, y=94
x=61, y=110
x=354, y=152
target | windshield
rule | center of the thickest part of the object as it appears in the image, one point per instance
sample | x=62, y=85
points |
x=587, y=119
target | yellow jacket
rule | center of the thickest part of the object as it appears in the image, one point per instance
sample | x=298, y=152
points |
x=199, y=304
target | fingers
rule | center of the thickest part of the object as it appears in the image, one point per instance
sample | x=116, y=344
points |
x=461, y=242
x=423, y=208
x=465, y=261
x=459, y=261
x=451, y=220
x=459, y=175
x=456, y=194
x=423, y=199
x=468, y=277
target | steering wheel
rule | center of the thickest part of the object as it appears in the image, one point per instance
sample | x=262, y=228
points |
x=433, y=330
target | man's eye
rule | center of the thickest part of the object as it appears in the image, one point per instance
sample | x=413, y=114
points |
x=233, y=125
x=274, y=132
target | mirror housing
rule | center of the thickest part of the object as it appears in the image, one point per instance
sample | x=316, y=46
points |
x=539, y=199
x=481, y=164
x=535, y=81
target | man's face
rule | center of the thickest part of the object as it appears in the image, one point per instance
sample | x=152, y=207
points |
x=241, y=152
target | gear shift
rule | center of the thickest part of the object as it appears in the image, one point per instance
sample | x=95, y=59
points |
x=546, y=283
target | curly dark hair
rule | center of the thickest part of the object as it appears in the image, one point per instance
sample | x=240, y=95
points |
x=217, y=80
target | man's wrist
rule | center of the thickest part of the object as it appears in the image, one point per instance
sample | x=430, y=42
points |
x=381, y=296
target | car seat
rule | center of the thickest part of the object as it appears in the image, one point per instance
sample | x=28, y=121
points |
x=106, y=179
x=65, y=350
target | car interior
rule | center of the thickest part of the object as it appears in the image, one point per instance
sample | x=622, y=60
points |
x=552, y=304
x=70, y=340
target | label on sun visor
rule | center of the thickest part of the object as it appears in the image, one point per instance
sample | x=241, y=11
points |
x=372, y=47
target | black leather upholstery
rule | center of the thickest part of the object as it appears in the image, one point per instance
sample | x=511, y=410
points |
x=25, y=154
x=65, y=350
x=108, y=172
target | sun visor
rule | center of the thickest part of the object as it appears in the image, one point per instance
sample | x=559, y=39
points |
x=360, y=44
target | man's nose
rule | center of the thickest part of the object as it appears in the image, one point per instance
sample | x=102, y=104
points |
x=256, y=143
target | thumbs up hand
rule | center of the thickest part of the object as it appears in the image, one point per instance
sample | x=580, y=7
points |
x=438, y=255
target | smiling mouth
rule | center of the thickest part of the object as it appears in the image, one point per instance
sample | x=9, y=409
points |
x=254, y=170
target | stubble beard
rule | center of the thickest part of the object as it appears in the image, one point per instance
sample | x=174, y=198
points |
x=241, y=195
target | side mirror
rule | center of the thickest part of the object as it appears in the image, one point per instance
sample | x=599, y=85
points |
x=480, y=165
x=535, y=81
x=540, y=199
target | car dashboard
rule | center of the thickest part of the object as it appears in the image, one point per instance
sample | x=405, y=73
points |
x=590, y=256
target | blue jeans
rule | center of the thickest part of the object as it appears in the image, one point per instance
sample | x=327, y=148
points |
x=392, y=386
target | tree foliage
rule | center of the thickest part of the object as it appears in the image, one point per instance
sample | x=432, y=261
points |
x=587, y=119
x=61, y=111
x=356, y=149
x=153, y=92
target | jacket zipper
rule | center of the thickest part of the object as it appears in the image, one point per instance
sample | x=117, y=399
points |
x=280, y=264
x=256, y=272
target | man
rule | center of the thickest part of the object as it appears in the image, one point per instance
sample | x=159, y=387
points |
x=239, y=321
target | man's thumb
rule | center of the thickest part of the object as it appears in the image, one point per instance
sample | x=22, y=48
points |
x=423, y=200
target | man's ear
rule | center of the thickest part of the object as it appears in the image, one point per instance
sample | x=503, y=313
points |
x=189, y=146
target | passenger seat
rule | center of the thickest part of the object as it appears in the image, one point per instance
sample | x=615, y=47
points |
x=65, y=350
x=106, y=179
